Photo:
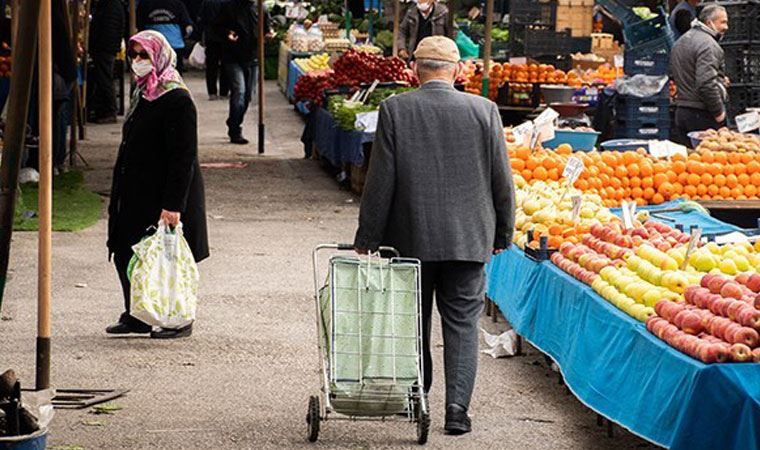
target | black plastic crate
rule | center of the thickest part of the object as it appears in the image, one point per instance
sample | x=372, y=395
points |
x=642, y=133
x=580, y=45
x=519, y=33
x=547, y=42
x=741, y=97
x=743, y=62
x=650, y=115
x=528, y=12
x=661, y=99
x=658, y=109
x=744, y=17
x=643, y=122
x=646, y=63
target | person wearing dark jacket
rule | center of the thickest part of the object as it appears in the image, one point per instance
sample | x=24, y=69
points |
x=168, y=17
x=213, y=41
x=157, y=176
x=440, y=189
x=64, y=77
x=237, y=24
x=697, y=64
x=429, y=18
x=106, y=31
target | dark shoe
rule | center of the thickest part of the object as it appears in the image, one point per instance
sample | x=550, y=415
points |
x=105, y=120
x=213, y=97
x=126, y=328
x=240, y=140
x=168, y=333
x=457, y=420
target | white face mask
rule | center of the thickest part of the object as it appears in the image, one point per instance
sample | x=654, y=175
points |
x=142, y=68
x=424, y=7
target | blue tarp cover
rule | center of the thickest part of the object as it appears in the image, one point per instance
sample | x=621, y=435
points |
x=617, y=368
x=337, y=145
x=709, y=225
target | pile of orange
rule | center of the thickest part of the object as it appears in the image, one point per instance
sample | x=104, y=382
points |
x=604, y=74
x=635, y=176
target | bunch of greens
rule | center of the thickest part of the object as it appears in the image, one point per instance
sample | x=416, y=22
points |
x=384, y=39
x=378, y=95
x=344, y=112
x=499, y=34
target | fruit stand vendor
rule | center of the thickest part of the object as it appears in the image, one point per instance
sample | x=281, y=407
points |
x=429, y=18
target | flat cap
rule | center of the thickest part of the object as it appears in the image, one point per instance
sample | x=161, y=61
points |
x=439, y=48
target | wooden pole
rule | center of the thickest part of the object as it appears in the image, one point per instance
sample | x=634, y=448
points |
x=487, y=48
x=396, y=19
x=262, y=22
x=24, y=43
x=44, y=267
x=14, y=20
x=132, y=18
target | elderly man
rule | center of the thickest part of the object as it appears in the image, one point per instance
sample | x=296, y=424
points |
x=697, y=64
x=440, y=189
x=429, y=18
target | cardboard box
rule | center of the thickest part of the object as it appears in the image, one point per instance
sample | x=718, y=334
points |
x=602, y=41
x=579, y=19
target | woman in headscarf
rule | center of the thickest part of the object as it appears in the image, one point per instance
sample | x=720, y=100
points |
x=157, y=176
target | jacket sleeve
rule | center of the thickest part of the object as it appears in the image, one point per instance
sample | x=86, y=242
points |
x=403, y=32
x=380, y=186
x=181, y=139
x=449, y=29
x=708, y=68
x=502, y=183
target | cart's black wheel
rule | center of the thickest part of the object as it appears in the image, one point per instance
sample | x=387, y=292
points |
x=312, y=419
x=423, y=428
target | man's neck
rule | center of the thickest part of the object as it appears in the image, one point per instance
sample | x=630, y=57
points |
x=441, y=79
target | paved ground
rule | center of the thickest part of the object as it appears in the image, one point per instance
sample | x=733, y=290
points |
x=243, y=379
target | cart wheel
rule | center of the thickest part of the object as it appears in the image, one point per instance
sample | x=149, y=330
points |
x=312, y=419
x=423, y=427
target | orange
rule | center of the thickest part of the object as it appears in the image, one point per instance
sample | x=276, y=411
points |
x=718, y=197
x=721, y=157
x=616, y=183
x=621, y=171
x=657, y=199
x=609, y=192
x=724, y=191
x=633, y=170
x=659, y=179
x=732, y=181
x=672, y=177
x=660, y=167
x=677, y=189
x=701, y=190
x=564, y=149
x=745, y=158
x=641, y=202
x=678, y=167
x=554, y=174
x=707, y=179
x=646, y=169
x=690, y=191
x=750, y=190
x=737, y=191
x=683, y=178
x=678, y=157
x=706, y=197
x=527, y=174
x=740, y=168
x=630, y=157
x=697, y=168
x=582, y=185
x=625, y=182
x=635, y=182
x=719, y=179
x=539, y=173
x=549, y=163
x=755, y=179
x=707, y=156
x=734, y=158
x=554, y=241
x=523, y=152
x=713, y=189
x=666, y=189
x=647, y=182
x=604, y=179
x=743, y=179
x=649, y=193
x=637, y=192
x=728, y=169
x=555, y=230
x=531, y=163
x=517, y=164
x=714, y=169
x=694, y=179
x=741, y=197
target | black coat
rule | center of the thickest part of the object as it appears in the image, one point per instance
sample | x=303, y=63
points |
x=107, y=26
x=240, y=16
x=157, y=168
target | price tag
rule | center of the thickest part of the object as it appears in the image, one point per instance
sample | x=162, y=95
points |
x=549, y=115
x=367, y=121
x=666, y=149
x=573, y=170
x=523, y=133
x=292, y=12
x=618, y=60
x=748, y=122
x=576, y=207
x=696, y=235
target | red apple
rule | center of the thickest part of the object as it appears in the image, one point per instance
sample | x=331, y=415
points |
x=705, y=282
x=715, y=353
x=756, y=355
x=731, y=289
x=716, y=283
x=742, y=278
x=746, y=336
x=690, y=322
x=753, y=283
x=740, y=353
x=735, y=308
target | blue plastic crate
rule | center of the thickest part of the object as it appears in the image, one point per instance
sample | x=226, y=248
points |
x=646, y=62
x=650, y=33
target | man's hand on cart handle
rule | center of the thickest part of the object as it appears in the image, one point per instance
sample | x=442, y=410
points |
x=361, y=251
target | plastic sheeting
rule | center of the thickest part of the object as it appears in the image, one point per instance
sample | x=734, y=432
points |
x=709, y=225
x=617, y=368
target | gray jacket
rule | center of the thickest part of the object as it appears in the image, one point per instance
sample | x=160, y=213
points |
x=697, y=64
x=407, y=30
x=439, y=186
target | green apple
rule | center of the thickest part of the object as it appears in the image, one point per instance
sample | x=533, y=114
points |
x=674, y=281
x=728, y=266
x=652, y=297
x=636, y=310
x=713, y=248
x=703, y=261
x=742, y=263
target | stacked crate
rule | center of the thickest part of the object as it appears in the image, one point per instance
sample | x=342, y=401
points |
x=741, y=46
x=577, y=16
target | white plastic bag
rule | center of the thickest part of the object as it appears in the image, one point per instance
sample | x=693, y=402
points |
x=502, y=345
x=164, y=280
x=197, y=57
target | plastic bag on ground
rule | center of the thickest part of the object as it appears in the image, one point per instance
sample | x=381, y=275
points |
x=164, y=280
x=502, y=345
x=641, y=85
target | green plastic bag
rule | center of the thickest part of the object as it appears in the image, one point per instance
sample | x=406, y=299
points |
x=467, y=48
x=164, y=280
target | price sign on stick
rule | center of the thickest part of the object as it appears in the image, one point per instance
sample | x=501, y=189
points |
x=696, y=235
x=576, y=207
x=572, y=171
x=629, y=212
x=523, y=133
x=618, y=60
x=544, y=126
x=748, y=122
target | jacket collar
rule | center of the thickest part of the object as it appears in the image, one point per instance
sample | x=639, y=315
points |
x=437, y=85
x=704, y=28
x=437, y=12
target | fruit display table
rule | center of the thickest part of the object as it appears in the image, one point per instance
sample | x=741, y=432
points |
x=286, y=55
x=617, y=368
x=339, y=147
x=294, y=73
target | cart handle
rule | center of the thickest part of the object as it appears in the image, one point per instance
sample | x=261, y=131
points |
x=339, y=247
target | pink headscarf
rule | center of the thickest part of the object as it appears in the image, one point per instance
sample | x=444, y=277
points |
x=164, y=76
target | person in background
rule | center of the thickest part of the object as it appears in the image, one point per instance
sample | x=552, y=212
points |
x=697, y=65
x=156, y=176
x=64, y=77
x=238, y=24
x=682, y=16
x=106, y=31
x=213, y=41
x=451, y=206
x=429, y=18
x=168, y=17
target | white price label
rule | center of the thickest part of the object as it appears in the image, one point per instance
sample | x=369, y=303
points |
x=618, y=60
x=629, y=212
x=292, y=12
x=367, y=121
x=748, y=122
x=666, y=149
x=576, y=207
x=696, y=235
x=544, y=131
x=573, y=170
x=523, y=133
x=549, y=115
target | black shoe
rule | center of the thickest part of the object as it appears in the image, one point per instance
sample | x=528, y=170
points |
x=457, y=420
x=168, y=333
x=126, y=328
x=240, y=140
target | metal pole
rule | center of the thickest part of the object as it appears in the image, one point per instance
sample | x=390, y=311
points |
x=44, y=267
x=27, y=14
x=262, y=21
x=396, y=18
x=487, y=48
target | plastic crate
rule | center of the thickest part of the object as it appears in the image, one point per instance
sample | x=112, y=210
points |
x=649, y=34
x=743, y=62
x=744, y=16
x=661, y=99
x=654, y=110
x=580, y=45
x=741, y=97
x=547, y=42
x=645, y=62
x=527, y=12
x=621, y=9
x=643, y=122
x=647, y=132
x=519, y=33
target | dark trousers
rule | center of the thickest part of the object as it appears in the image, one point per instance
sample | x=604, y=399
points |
x=242, y=78
x=692, y=119
x=103, y=94
x=459, y=289
x=215, y=71
x=121, y=261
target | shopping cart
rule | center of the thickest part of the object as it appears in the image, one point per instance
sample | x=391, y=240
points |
x=369, y=328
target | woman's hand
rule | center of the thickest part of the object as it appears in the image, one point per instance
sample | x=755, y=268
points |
x=170, y=218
